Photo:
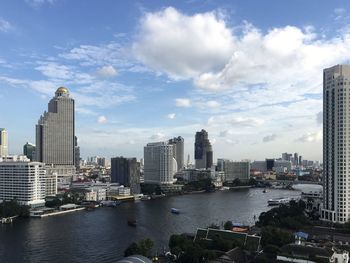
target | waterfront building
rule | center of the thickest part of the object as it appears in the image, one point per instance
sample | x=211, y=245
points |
x=272, y=165
x=95, y=194
x=259, y=166
x=3, y=143
x=29, y=150
x=282, y=165
x=236, y=170
x=23, y=181
x=203, y=152
x=159, y=163
x=336, y=141
x=178, y=151
x=126, y=171
x=55, y=135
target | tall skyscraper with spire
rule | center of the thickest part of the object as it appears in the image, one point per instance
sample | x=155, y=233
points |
x=203, y=152
x=336, y=154
x=55, y=134
x=3, y=143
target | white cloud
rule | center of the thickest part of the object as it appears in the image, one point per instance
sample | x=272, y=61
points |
x=5, y=26
x=107, y=72
x=158, y=136
x=311, y=137
x=319, y=118
x=226, y=133
x=339, y=13
x=283, y=58
x=183, y=46
x=182, y=102
x=38, y=3
x=171, y=116
x=213, y=104
x=270, y=138
x=54, y=70
x=235, y=121
x=102, y=119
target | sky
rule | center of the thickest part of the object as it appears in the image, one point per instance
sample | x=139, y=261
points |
x=248, y=72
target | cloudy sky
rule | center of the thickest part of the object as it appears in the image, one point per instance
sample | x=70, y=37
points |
x=249, y=72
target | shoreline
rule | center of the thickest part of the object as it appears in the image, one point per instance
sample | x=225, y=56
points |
x=59, y=212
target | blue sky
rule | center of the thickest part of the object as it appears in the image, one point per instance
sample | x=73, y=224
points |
x=249, y=72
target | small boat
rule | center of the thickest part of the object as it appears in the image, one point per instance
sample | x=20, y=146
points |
x=175, y=211
x=278, y=201
x=132, y=222
x=145, y=198
x=264, y=191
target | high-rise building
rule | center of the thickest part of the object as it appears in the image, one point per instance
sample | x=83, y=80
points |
x=55, y=134
x=236, y=170
x=126, y=171
x=23, y=181
x=76, y=153
x=336, y=154
x=296, y=159
x=3, y=143
x=29, y=150
x=178, y=143
x=287, y=156
x=270, y=163
x=160, y=165
x=203, y=152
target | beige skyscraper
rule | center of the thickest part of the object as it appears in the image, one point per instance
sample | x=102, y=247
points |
x=336, y=144
x=3, y=143
x=55, y=134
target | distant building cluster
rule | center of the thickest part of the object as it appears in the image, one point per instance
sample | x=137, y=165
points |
x=54, y=164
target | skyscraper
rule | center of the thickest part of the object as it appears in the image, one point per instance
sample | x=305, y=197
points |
x=126, y=171
x=29, y=150
x=55, y=134
x=336, y=155
x=76, y=153
x=203, y=152
x=296, y=159
x=3, y=143
x=178, y=152
x=160, y=164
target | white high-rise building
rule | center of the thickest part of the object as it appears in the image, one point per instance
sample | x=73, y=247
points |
x=3, y=143
x=160, y=164
x=23, y=181
x=55, y=135
x=336, y=142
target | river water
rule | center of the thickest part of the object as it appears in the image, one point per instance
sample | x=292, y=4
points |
x=102, y=235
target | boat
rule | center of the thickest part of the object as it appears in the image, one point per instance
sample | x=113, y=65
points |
x=278, y=201
x=264, y=191
x=175, y=211
x=132, y=222
x=145, y=198
x=224, y=188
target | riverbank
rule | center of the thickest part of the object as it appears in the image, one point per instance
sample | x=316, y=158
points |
x=54, y=213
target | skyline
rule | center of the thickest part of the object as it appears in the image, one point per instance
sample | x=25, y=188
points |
x=138, y=75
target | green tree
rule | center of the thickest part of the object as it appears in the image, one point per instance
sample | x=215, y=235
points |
x=145, y=247
x=275, y=236
x=132, y=249
x=228, y=225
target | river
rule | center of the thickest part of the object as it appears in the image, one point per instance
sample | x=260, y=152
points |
x=103, y=234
